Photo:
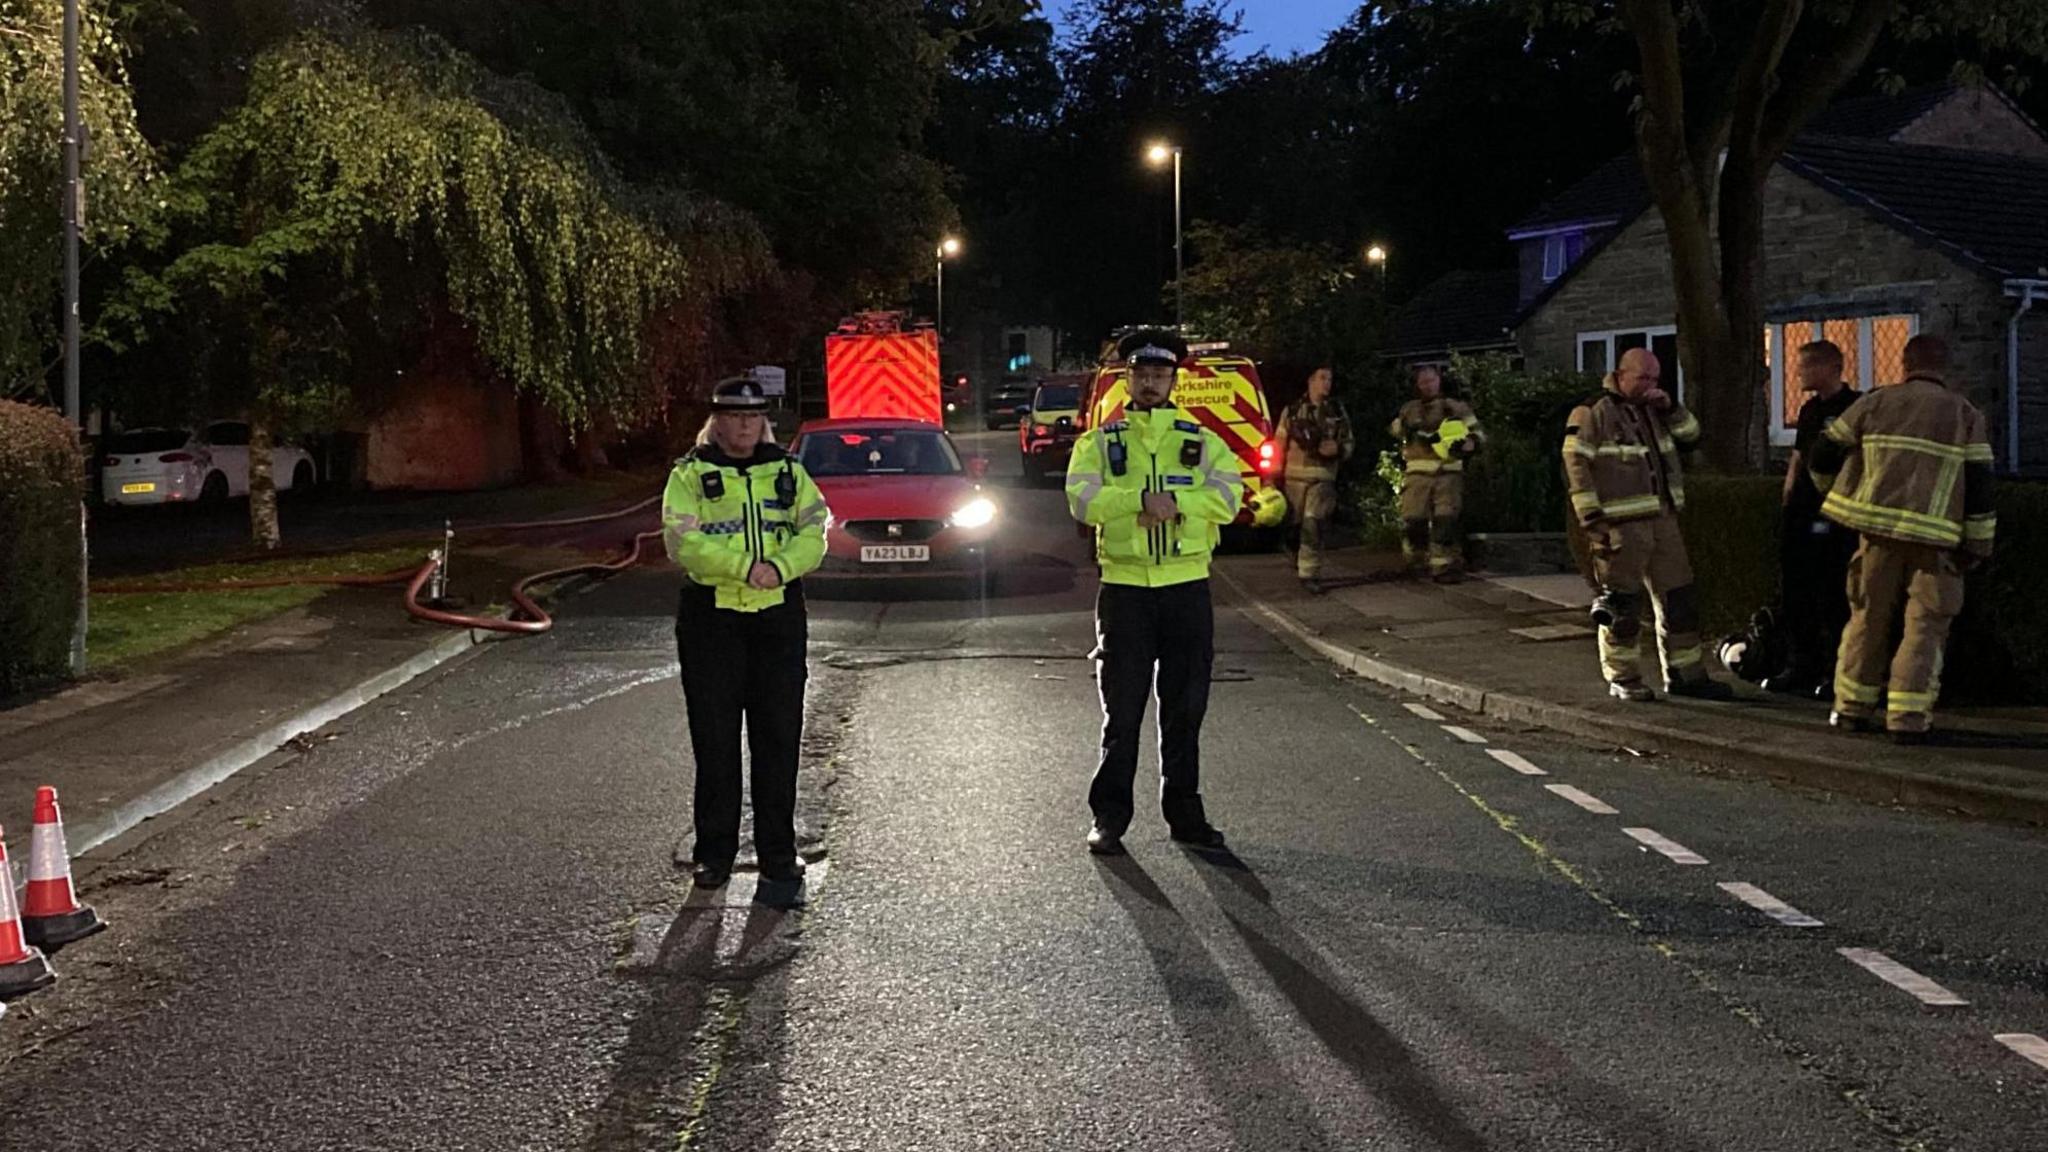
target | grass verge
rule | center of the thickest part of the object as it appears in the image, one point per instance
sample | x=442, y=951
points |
x=123, y=627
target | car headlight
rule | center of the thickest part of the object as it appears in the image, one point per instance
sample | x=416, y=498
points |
x=976, y=513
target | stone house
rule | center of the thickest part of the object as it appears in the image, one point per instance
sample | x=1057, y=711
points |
x=1891, y=215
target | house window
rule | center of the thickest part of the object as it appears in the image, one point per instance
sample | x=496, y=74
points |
x=1873, y=353
x=1600, y=352
x=1554, y=257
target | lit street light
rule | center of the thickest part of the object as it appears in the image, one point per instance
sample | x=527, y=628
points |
x=1158, y=154
x=950, y=246
x=1376, y=255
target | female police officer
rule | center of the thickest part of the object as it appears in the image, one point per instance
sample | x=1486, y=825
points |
x=746, y=522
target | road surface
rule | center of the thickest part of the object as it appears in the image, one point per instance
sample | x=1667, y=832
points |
x=455, y=922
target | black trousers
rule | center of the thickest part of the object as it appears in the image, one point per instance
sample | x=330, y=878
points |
x=1142, y=635
x=743, y=667
x=1814, y=559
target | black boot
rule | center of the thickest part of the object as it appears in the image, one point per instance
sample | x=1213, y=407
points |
x=1103, y=842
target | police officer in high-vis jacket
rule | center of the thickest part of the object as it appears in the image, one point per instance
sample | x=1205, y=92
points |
x=746, y=523
x=1157, y=487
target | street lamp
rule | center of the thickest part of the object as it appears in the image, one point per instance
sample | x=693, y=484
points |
x=1376, y=255
x=950, y=246
x=1158, y=155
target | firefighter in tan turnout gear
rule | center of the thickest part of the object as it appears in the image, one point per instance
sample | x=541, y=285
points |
x=1909, y=468
x=1318, y=440
x=1437, y=434
x=1627, y=488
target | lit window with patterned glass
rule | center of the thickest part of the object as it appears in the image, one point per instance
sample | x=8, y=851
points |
x=1873, y=353
x=1888, y=336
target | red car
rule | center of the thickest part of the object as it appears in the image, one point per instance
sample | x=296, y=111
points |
x=904, y=501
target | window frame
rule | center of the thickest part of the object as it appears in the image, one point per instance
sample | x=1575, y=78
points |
x=1780, y=334
x=1556, y=257
x=1648, y=332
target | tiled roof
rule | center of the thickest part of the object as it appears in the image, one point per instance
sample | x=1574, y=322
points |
x=1459, y=310
x=1879, y=116
x=1989, y=210
x=1613, y=193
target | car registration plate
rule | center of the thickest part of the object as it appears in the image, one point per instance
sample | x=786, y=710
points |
x=136, y=489
x=895, y=554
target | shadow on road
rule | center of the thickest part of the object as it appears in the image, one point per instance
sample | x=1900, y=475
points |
x=1248, y=1083
x=696, y=1005
x=1381, y=1063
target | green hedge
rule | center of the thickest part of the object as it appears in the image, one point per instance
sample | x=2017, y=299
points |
x=1998, y=652
x=42, y=476
x=1731, y=534
x=1515, y=485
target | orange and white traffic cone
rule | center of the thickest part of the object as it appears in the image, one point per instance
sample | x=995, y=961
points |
x=22, y=967
x=52, y=916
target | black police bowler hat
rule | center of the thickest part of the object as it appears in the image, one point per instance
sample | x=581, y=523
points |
x=739, y=394
x=1152, y=346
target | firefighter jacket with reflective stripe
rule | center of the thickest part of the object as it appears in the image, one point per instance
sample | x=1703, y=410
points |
x=1910, y=462
x=1159, y=450
x=720, y=517
x=1621, y=459
x=1303, y=428
x=1416, y=428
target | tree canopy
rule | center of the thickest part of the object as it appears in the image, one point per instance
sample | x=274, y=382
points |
x=32, y=172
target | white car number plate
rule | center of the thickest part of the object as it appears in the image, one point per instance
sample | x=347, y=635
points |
x=136, y=489
x=895, y=553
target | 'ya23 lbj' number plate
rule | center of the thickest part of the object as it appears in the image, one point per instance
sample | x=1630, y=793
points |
x=895, y=553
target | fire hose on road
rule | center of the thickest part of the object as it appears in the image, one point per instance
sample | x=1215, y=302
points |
x=526, y=618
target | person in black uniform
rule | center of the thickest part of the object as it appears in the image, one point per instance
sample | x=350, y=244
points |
x=1156, y=486
x=1814, y=551
x=746, y=523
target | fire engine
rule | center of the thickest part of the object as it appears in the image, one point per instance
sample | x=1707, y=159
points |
x=880, y=365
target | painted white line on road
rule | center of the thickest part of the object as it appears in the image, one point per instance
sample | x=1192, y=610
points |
x=1676, y=852
x=1465, y=734
x=2026, y=1044
x=1425, y=711
x=1589, y=802
x=1515, y=760
x=1901, y=977
x=1769, y=905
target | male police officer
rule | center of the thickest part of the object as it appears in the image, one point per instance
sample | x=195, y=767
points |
x=1156, y=486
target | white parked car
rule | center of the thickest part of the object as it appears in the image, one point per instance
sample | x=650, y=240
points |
x=174, y=466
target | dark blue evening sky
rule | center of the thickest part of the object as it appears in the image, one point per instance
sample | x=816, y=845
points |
x=1281, y=27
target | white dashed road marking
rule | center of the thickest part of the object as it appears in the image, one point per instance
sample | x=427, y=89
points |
x=1901, y=977
x=1465, y=734
x=1678, y=853
x=1769, y=905
x=1514, y=760
x=2026, y=1044
x=1425, y=711
x=1590, y=803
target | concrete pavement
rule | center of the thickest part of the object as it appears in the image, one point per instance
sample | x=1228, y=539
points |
x=1520, y=649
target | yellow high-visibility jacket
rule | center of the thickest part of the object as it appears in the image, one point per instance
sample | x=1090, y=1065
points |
x=1416, y=429
x=1621, y=459
x=720, y=517
x=1910, y=462
x=1160, y=450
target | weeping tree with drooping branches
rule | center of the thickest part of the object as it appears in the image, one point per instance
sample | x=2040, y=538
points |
x=363, y=170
